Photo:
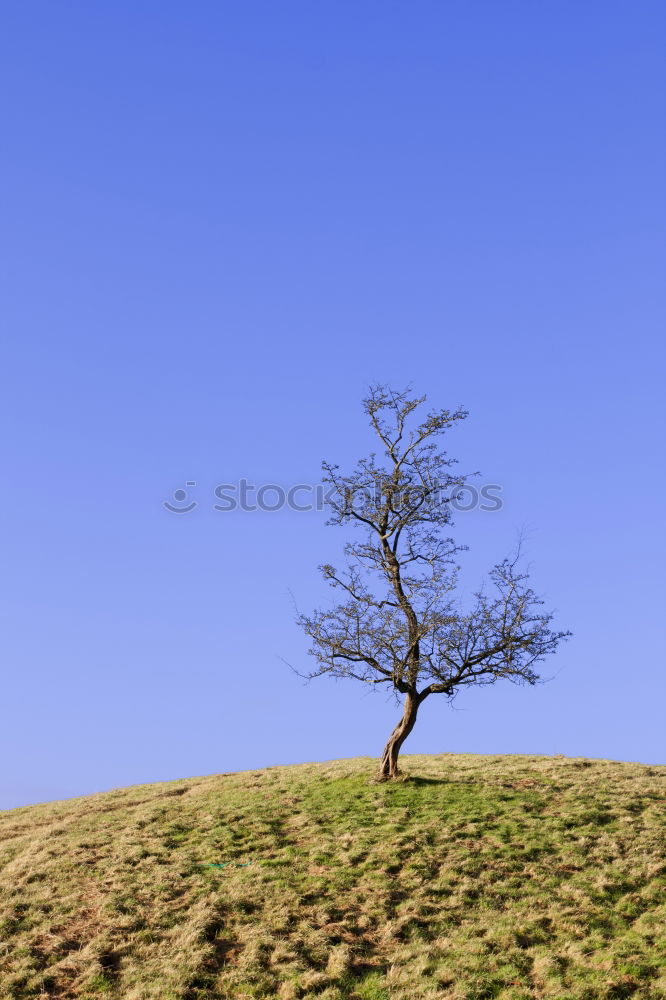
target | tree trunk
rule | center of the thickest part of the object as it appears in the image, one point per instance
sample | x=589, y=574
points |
x=388, y=767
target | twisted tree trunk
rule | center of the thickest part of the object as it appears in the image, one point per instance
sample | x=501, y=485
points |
x=388, y=767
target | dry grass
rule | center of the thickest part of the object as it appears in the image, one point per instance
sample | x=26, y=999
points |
x=477, y=877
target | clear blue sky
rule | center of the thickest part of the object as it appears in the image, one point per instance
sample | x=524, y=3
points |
x=221, y=222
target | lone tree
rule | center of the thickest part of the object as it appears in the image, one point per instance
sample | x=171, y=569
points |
x=408, y=630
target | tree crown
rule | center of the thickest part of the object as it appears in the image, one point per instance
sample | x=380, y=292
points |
x=399, y=622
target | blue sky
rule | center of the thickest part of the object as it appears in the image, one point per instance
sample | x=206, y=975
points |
x=221, y=223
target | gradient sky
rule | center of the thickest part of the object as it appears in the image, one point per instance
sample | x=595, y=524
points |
x=221, y=223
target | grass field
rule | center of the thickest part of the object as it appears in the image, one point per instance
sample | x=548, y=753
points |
x=476, y=877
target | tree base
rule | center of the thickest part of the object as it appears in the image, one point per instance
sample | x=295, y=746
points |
x=398, y=775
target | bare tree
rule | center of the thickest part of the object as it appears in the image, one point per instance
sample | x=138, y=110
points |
x=408, y=630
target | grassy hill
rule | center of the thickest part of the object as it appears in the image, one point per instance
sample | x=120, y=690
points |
x=477, y=877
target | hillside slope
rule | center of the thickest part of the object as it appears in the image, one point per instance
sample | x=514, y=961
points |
x=477, y=877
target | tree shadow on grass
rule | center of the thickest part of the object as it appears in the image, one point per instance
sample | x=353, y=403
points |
x=420, y=782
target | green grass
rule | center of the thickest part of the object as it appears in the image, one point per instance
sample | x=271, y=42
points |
x=474, y=878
